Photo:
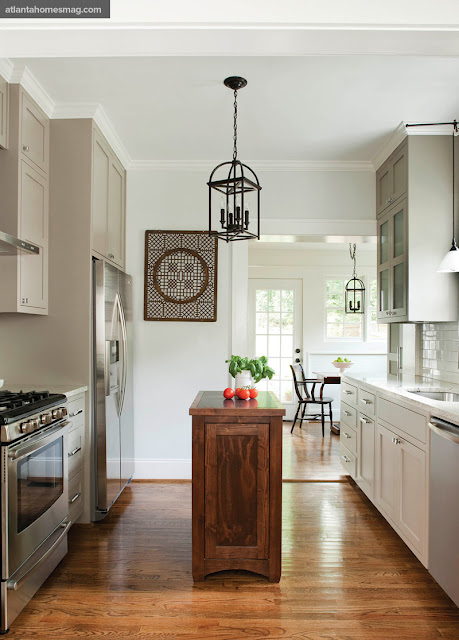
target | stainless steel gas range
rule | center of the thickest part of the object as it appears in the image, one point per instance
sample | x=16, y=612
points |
x=33, y=495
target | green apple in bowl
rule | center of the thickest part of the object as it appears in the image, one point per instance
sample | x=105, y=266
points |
x=342, y=363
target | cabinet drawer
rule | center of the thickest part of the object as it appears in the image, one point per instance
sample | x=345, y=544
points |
x=367, y=402
x=76, y=496
x=412, y=423
x=348, y=460
x=76, y=409
x=349, y=393
x=76, y=451
x=348, y=438
x=349, y=415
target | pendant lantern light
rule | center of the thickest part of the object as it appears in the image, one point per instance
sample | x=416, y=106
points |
x=355, y=289
x=450, y=262
x=234, y=190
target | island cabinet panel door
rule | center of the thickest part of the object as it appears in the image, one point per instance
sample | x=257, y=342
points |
x=237, y=491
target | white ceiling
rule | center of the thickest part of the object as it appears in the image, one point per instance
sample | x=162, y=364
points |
x=315, y=108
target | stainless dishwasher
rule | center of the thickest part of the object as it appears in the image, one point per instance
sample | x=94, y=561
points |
x=444, y=506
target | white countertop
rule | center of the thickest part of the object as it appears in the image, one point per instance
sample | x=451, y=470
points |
x=398, y=386
x=67, y=389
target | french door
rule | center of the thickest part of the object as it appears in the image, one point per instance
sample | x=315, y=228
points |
x=275, y=331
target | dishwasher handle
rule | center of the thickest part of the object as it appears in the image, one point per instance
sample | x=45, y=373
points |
x=444, y=429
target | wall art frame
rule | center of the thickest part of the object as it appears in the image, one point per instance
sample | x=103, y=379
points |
x=180, y=281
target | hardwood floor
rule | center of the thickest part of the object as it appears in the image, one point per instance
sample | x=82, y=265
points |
x=346, y=576
x=308, y=456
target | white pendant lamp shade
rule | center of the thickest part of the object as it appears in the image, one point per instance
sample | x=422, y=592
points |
x=450, y=262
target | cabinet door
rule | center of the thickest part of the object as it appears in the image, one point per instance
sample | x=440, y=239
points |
x=395, y=348
x=236, y=491
x=383, y=187
x=100, y=193
x=116, y=212
x=366, y=454
x=3, y=113
x=399, y=260
x=386, y=472
x=384, y=268
x=34, y=134
x=33, y=226
x=412, y=490
x=399, y=173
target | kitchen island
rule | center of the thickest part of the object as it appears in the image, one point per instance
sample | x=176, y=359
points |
x=237, y=484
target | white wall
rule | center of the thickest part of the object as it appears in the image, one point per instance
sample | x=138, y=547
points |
x=172, y=360
x=312, y=267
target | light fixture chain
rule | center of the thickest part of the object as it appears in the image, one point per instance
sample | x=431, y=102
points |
x=235, y=127
x=352, y=252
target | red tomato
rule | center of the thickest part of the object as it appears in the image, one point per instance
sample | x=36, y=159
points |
x=237, y=391
x=244, y=394
x=253, y=393
x=228, y=393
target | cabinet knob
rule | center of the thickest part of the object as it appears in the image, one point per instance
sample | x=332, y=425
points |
x=111, y=256
x=25, y=147
x=396, y=441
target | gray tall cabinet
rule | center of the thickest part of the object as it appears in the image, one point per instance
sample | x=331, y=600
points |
x=414, y=199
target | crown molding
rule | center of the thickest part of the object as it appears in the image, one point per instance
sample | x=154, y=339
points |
x=6, y=69
x=400, y=133
x=259, y=165
x=23, y=76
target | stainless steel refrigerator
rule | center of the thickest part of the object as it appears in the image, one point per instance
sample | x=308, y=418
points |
x=113, y=390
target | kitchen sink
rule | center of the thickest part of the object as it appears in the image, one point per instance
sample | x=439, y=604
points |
x=443, y=396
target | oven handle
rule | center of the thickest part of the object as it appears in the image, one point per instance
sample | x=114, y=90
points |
x=37, y=444
x=14, y=585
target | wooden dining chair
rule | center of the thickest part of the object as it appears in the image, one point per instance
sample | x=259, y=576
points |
x=306, y=398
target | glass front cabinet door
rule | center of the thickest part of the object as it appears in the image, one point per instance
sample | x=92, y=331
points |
x=392, y=264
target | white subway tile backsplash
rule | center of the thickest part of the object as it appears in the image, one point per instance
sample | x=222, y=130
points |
x=440, y=348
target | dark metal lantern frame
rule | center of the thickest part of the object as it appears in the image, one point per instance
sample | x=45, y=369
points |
x=354, y=293
x=235, y=182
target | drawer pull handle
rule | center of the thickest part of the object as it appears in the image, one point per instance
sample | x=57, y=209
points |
x=75, y=498
x=347, y=392
x=25, y=147
x=347, y=413
x=365, y=401
x=347, y=435
x=76, y=413
x=365, y=420
x=74, y=452
x=396, y=441
x=346, y=459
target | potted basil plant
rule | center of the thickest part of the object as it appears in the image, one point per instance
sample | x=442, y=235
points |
x=248, y=372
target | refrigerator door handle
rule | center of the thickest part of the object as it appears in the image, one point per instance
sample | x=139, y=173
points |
x=124, y=336
x=107, y=367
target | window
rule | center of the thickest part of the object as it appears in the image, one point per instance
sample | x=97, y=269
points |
x=343, y=326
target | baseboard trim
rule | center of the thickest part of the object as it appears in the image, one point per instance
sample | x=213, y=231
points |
x=155, y=469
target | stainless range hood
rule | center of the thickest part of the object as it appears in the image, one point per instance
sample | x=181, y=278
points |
x=11, y=246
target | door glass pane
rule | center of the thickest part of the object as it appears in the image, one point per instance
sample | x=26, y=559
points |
x=274, y=337
x=399, y=286
x=399, y=233
x=384, y=290
x=384, y=243
x=40, y=482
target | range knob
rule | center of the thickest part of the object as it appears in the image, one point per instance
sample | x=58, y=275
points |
x=46, y=418
x=59, y=413
x=30, y=425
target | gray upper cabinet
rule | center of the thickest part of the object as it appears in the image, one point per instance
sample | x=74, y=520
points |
x=3, y=113
x=24, y=186
x=392, y=179
x=108, y=202
x=414, y=232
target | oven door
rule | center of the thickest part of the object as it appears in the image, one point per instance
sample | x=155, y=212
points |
x=37, y=493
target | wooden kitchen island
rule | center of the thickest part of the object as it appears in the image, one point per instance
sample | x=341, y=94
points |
x=237, y=484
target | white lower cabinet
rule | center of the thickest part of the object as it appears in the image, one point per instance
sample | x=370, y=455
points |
x=386, y=452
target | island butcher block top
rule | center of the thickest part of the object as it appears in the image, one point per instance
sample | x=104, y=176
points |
x=237, y=484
